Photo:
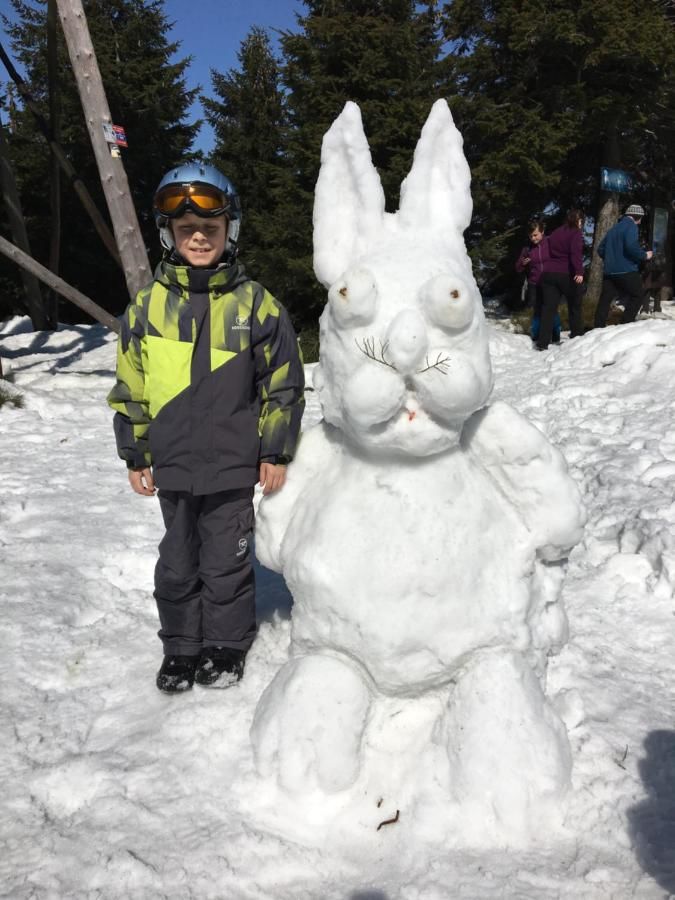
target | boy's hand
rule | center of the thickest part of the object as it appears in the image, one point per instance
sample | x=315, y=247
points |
x=142, y=482
x=272, y=477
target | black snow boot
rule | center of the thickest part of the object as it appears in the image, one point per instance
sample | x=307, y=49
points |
x=220, y=667
x=177, y=674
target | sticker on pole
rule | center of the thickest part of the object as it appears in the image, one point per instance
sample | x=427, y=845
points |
x=115, y=134
x=120, y=136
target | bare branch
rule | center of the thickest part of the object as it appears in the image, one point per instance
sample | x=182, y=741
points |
x=442, y=364
x=367, y=347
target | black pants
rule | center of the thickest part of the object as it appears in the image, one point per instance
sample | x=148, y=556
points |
x=554, y=287
x=629, y=286
x=204, y=583
x=532, y=296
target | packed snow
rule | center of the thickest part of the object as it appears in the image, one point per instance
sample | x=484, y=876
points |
x=113, y=790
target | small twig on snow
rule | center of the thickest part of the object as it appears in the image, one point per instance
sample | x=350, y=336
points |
x=388, y=821
x=620, y=762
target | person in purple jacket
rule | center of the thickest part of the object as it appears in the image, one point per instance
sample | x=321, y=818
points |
x=531, y=261
x=563, y=276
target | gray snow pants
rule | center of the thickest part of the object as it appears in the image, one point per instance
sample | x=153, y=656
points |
x=204, y=583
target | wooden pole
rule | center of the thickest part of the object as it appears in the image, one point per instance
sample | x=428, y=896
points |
x=58, y=284
x=79, y=186
x=17, y=226
x=97, y=113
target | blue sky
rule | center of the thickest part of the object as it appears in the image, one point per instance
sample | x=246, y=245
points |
x=211, y=31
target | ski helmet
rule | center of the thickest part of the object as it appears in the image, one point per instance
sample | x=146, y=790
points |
x=203, y=190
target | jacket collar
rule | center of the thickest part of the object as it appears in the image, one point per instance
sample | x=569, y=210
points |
x=188, y=279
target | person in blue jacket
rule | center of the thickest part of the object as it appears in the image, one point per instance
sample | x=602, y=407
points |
x=622, y=254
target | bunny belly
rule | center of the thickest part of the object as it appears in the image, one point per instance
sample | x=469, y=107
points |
x=408, y=568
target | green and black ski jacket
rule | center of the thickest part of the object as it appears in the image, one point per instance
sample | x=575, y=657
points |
x=209, y=380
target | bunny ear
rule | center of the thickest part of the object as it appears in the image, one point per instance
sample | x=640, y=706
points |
x=348, y=200
x=437, y=192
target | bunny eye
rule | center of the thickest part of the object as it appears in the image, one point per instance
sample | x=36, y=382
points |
x=448, y=301
x=353, y=298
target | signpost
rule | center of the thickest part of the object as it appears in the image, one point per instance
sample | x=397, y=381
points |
x=660, y=233
x=616, y=180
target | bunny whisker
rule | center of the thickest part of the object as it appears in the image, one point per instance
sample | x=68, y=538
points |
x=442, y=364
x=367, y=347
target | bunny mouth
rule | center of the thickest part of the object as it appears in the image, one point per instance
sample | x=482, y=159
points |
x=410, y=431
x=418, y=414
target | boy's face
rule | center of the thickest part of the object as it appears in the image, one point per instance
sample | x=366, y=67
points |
x=536, y=236
x=201, y=242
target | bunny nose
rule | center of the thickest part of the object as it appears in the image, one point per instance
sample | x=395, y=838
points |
x=407, y=341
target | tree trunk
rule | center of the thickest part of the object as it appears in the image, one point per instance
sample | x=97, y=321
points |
x=17, y=226
x=607, y=216
x=66, y=290
x=51, y=305
x=113, y=177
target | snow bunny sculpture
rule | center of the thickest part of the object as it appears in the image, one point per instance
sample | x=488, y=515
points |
x=420, y=532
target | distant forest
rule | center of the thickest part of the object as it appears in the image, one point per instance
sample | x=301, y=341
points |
x=544, y=94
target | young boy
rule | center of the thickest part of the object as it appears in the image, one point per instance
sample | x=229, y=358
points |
x=208, y=400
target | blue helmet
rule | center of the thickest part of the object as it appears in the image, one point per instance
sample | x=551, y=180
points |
x=203, y=190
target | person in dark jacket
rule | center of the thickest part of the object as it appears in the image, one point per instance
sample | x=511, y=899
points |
x=562, y=277
x=208, y=400
x=622, y=254
x=531, y=261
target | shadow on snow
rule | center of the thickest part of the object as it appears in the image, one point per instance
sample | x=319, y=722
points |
x=90, y=338
x=271, y=594
x=652, y=821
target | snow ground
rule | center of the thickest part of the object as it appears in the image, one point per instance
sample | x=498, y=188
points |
x=113, y=790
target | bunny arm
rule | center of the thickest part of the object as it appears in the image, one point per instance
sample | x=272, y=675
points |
x=531, y=473
x=318, y=448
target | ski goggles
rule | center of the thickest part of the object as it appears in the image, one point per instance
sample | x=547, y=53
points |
x=203, y=199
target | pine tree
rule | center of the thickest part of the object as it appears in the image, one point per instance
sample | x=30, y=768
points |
x=382, y=55
x=540, y=92
x=248, y=119
x=147, y=95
